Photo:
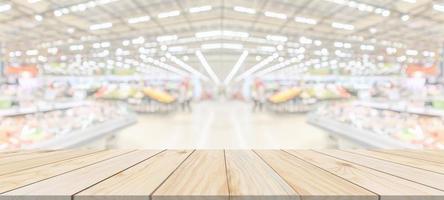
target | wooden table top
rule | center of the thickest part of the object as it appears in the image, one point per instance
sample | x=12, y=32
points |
x=222, y=174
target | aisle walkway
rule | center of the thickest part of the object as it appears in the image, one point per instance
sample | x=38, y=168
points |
x=218, y=125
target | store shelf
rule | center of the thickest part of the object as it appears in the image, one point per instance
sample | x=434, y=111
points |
x=208, y=174
x=402, y=109
x=363, y=137
x=84, y=136
x=36, y=109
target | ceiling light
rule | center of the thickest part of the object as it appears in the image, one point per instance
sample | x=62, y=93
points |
x=222, y=46
x=275, y=15
x=100, y=26
x=305, y=20
x=207, y=67
x=5, y=7
x=244, y=10
x=211, y=46
x=280, y=65
x=200, y=9
x=411, y=52
x=317, y=42
x=165, y=66
x=390, y=50
x=168, y=14
x=166, y=38
x=136, y=20
x=76, y=47
x=305, y=40
x=257, y=67
x=343, y=26
x=186, y=66
x=139, y=40
x=405, y=17
x=32, y=52
x=33, y=1
x=409, y=1
x=367, y=47
x=219, y=33
x=438, y=7
x=53, y=50
x=38, y=18
x=277, y=38
x=236, y=67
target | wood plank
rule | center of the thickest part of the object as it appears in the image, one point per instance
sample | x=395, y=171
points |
x=139, y=181
x=15, y=153
x=33, y=175
x=412, y=162
x=385, y=185
x=64, y=186
x=47, y=158
x=201, y=176
x=31, y=155
x=310, y=181
x=415, y=154
x=249, y=176
x=428, y=178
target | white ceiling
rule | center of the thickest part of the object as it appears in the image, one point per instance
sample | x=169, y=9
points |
x=20, y=30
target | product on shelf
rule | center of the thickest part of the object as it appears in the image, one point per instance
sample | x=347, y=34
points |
x=423, y=130
x=158, y=95
x=23, y=130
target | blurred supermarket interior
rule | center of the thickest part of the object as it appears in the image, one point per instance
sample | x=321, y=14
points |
x=233, y=74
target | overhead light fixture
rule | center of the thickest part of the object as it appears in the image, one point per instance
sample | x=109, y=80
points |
x=164, y=66
x=5, y=7
x=166, y=38
x=141, y=19
x=275, y=15
x=438, y=7
x=305, y=20
x=219, y=33
x=76, y=47
x=81, y=7
x=200, y=9
x=277, y=38
x=101, y=26
x=244, y=10
x=236, y=67
x=53, y=50
x=207, y=67
x=409, y=1
x=343, y=26
x=280, y=65
x=367, y=47
x=305, y=40
x=186, y=67
x=222, y=46
x=33, y=1
x=411, y=52
x=391, y=50
x=168, y=14
x=138, y=40
x=405, y=17
x=32, y=52
x=257, y=67
x=38, y=18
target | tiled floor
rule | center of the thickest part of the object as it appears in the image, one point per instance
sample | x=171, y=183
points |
x=218, y=125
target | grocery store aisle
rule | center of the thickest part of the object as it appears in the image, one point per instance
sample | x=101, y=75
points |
x=217, y=125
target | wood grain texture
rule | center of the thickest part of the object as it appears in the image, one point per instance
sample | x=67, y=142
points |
x=250, y=177
x=415, y=154
x=64, y=186
x=22, y=178
x=47, y=158
x=311, y=182
x=201, y=177
x=386, y=186
x=410, y=173
x=27, y=156
x=138, y=182
x=412, y=162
